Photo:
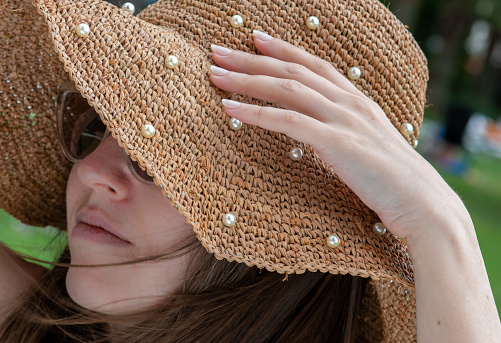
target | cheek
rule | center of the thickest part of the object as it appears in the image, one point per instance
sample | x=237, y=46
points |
x=168, y=236
x=74, y=191
x=162, y=227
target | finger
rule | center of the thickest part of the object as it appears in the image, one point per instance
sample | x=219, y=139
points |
x=291, y=123
x=253, y=64
x=284, y=51
x=289, y=94
x=351, y=104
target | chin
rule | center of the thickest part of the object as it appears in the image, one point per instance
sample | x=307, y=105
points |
x=97, y=289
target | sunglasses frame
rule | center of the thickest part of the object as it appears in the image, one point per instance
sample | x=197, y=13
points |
x=64, y=90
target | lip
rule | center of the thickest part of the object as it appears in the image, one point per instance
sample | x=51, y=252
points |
x=94, y=226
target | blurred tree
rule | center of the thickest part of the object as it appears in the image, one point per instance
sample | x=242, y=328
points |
x=440, y=27
x=462, y=41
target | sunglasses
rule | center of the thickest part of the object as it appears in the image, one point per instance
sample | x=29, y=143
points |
x=80, y=130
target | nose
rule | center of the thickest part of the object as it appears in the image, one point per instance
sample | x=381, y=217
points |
x=106, y=172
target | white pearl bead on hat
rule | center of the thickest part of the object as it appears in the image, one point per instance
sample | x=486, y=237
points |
x=129, y=7
x=312, y=22
x=354, y=73
x=333, y=241
x=83, y=30
x=296, y=154
x=229, y=219
x=236, y=21
x=148, y=131
x=406, y=129
x=235, y=124
x=379, y=229
x=171, y=62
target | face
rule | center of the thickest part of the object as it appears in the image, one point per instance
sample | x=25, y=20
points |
x=112, y=218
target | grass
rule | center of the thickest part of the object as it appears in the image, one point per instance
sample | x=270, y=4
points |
x=479, y=188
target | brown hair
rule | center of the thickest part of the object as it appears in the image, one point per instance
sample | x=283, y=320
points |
x=220, y=302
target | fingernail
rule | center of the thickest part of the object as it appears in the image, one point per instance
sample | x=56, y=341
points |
x=218, y=71
x=220, y=50
x=261, y=35
x=230, y=103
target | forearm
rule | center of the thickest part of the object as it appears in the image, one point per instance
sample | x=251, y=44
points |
x=454, y=298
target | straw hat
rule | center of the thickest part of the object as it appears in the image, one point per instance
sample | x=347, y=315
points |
x=248, y=200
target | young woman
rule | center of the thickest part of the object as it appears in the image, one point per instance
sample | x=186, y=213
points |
x=185, y=225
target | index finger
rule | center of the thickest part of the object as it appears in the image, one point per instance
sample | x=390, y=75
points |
x=277, y=48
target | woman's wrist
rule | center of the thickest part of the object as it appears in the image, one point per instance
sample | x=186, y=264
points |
x=454, y=298
x=446, y=231
x=445, y=222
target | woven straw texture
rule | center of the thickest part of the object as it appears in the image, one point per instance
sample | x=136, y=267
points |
x=285, y=209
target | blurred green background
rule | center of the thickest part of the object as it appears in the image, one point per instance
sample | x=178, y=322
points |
x=461, y=134
x=43, y=243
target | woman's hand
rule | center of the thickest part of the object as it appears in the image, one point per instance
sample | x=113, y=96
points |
x=351, y=133
x=322, y=108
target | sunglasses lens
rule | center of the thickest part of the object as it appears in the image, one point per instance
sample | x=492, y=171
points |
x=87, y=137
x=140, y=174
x=81, y=131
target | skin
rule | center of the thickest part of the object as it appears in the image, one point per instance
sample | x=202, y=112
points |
x=322, y=108
x=102, y=185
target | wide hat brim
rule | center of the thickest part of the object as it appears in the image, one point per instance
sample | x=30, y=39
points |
x=285, y=210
